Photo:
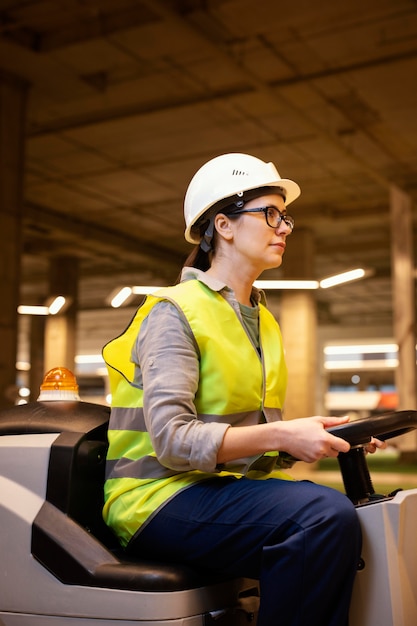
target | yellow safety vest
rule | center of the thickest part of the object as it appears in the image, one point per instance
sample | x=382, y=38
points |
x=234, y=382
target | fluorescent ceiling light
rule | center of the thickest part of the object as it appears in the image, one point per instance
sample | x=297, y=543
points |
x=344, y=277
x=121, y=297
x=32, y=310
x=124, y=293
x=377, y=348
x=89, y=358
x=286, y=284
x=361, y=364
x=56, y=305
x=144, y=290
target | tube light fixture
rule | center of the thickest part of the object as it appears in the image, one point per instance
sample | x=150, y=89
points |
x=120, y=297
x=124, y=293
x=286, y=284
x=344, y=277
x=89, y=359
x=371, y=348
x=56, y=305
x=24, y=309
x=144, y=290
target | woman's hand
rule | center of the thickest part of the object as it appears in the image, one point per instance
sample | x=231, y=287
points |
x=374, y=445
x=320, y=443
x=308, y=440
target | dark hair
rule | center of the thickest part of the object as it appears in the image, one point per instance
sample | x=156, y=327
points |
x=198, y=258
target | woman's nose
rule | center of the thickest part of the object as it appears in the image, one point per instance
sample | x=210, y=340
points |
x=283, y=228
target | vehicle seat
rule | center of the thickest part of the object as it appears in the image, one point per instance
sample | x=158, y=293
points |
x=69, y=536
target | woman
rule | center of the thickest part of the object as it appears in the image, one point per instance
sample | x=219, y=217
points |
x=198, y=383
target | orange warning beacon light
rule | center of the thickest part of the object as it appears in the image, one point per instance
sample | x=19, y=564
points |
x=59, y=384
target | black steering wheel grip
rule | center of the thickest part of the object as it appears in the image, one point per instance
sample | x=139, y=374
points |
x=386, y=426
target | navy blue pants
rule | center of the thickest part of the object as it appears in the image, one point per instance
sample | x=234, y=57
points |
x=301, y=541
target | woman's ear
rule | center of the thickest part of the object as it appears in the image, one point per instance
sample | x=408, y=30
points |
x=222, y=224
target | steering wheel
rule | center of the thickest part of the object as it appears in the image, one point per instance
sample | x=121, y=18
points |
x=383, y=427
x=353, y=465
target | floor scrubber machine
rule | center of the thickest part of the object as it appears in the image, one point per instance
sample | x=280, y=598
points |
x=60, y=565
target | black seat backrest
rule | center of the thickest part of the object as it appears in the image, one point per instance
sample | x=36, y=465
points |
x=76, y=480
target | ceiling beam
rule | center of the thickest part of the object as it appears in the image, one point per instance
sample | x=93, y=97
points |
x=86, y=235
x=83, y=24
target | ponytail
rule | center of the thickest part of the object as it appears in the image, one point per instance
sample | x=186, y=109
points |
x=197, y=258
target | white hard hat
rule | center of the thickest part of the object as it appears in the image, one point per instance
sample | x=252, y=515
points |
x=226, y=176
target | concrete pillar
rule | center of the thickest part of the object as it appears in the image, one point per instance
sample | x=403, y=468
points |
x=298, y=321
x=37, y=355
x=60, y=330
x=13, y=98
x=403, y=290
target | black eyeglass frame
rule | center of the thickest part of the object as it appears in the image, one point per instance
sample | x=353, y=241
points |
x=282, y=217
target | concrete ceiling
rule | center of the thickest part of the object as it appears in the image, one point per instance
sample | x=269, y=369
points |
x=128, y=98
